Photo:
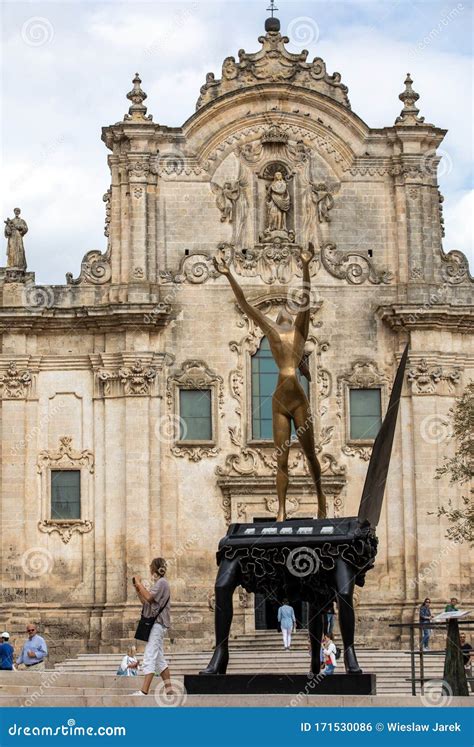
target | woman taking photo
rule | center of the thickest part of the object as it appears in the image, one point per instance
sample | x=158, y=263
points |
x=156, y=604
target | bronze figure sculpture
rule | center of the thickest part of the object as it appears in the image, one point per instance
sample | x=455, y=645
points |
x=287, y=337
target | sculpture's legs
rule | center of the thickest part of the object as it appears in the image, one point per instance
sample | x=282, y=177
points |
x=226, y=583
x=305, y=433
x=315, y=629
x=282, y=440
x=344, y=576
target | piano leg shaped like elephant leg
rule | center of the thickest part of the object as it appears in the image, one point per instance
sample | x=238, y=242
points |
x=345, y=580
x=226, y=583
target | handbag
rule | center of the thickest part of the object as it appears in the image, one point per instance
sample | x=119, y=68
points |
x=145, y=624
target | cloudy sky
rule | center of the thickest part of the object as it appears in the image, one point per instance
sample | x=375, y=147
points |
x=68, y=65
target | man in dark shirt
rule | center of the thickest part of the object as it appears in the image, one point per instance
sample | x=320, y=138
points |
x=6, y=652
x=467, y=655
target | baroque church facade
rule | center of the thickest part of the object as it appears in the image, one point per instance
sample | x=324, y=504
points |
x=135, y=397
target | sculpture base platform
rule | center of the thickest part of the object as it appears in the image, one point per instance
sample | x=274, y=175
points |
x=282, y=684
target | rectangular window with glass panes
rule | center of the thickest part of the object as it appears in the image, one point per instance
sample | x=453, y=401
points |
x=195, y=415
x=365, y=414
x=65, y=494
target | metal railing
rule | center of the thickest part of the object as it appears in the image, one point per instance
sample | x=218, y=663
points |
x=420, y=653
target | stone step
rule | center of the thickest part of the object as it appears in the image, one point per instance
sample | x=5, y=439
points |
x=319, y=701
x=395, y=658
x=254, y=665
x=33, y=695
x=362, y=654
x=83, y=681
x=392, y=668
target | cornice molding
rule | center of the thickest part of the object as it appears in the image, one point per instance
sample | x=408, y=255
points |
x=95, y=318
x=411, y=316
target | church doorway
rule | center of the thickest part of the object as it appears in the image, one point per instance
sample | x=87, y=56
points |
x=266, y=613
x=266, y=608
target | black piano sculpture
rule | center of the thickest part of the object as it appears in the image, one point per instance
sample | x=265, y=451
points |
x=315, y=561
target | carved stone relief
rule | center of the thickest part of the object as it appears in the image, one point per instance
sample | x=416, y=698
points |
x=131, y=378
x=95, y=269
x=245, y=497
x=252, y=146
x=323, y=201
x=273, y=63
x=15, y=383
x=455, y=268
x=195, y=453
x=140, y=168
x=65, y=457
x=278, y=262
x=354, y=267
x=441, y=216
x=424, y=377
x=107, y=197
x=194, y=268
x=226, y=197
x=65, y=528
x=137, y=379
x=243, y=598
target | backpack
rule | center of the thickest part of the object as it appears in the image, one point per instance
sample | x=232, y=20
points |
x=338, y=652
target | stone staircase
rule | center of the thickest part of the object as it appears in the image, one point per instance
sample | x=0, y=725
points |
x=90, y=680
x=391, y=667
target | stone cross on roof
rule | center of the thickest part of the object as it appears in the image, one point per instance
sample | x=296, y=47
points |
x=272, y=7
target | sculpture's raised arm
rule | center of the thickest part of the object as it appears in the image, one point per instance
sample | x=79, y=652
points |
x=303, y=316
x=265, y=324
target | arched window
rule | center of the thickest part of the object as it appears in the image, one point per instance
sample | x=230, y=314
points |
x=264, y=381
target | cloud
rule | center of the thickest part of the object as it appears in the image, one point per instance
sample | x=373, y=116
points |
x=167, y=32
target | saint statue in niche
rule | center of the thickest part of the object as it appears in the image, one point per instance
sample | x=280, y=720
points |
x=278, y=203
